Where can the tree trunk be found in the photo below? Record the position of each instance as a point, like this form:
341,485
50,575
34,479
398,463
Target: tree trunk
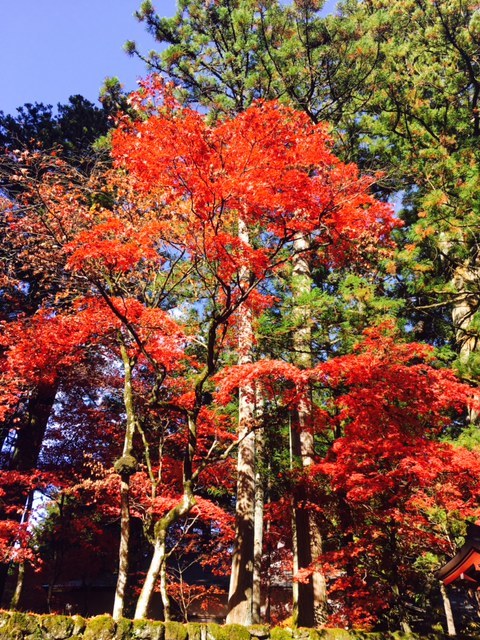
464,309
17,594
148,587
32,428
258,525
309,598
123,552
448,611
240,597
159,557
164,591
403,617
295,562
125,466
29,439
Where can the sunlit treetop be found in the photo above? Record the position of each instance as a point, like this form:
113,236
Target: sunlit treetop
270,166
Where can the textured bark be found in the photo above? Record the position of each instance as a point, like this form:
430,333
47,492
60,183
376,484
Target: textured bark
464,308
241,580
164,592
123,552
240,597
125,467
159,557
309,598
295,562
258,524
17,594
33,425
148,587
448,611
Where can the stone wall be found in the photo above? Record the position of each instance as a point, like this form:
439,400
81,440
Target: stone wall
26,626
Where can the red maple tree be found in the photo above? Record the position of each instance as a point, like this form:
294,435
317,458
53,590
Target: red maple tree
144,275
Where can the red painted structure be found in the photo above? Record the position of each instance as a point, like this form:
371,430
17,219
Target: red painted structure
466,564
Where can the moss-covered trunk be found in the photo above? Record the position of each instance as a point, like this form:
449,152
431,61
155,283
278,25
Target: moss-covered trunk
159,556
125,466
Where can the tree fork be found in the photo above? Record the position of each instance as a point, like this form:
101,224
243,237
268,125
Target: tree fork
160,552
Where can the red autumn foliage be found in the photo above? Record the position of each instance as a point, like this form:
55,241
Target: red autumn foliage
385,479
269,165
152,262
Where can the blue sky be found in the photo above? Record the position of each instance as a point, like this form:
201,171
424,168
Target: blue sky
52,49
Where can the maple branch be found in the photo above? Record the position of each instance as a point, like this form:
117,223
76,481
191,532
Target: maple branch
206,460
146,448
158,368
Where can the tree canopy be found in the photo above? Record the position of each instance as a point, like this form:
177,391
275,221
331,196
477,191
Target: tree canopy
239,336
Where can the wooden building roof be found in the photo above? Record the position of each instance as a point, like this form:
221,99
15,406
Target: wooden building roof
466,564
